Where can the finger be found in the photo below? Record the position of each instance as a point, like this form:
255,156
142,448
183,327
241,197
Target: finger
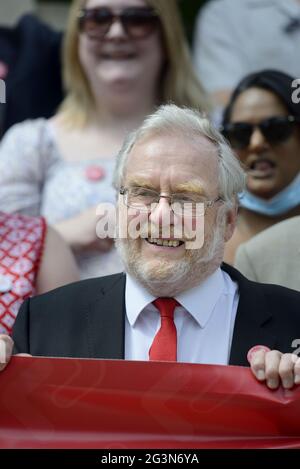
6,348
296,369
286,370
272,362
257,364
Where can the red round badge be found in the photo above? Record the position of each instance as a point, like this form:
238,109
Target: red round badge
94,173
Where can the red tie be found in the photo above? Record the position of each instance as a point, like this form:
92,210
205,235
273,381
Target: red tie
164,345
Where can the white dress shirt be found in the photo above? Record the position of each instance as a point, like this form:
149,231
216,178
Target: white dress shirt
204,322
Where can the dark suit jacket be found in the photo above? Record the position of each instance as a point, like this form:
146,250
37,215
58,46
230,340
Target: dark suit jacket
86,319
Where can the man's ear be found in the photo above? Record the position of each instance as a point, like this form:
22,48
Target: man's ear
231,218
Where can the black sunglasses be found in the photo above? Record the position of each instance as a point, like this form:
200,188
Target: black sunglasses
138,22
274,129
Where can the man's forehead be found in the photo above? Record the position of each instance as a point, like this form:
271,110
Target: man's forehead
179,164
171,145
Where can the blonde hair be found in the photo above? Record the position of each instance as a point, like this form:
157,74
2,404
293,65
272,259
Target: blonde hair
179,82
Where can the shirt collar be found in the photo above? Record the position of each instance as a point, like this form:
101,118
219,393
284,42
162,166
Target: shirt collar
199,301
136,298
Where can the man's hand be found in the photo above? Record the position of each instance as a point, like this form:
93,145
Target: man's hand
276,368
6,348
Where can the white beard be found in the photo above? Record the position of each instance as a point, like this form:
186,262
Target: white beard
167,278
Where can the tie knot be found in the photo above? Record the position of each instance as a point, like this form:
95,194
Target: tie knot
166,306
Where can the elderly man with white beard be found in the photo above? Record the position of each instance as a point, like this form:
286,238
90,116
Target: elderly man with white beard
176,300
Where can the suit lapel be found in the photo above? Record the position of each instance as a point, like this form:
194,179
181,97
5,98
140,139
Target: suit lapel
253,320
105,315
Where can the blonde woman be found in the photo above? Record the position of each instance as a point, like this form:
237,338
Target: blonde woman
122,58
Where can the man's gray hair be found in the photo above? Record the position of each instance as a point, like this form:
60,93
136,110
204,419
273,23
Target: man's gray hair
190,123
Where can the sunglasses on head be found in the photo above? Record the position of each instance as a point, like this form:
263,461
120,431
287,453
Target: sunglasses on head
274,129
138,22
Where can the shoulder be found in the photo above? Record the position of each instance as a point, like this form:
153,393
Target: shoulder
29,146
267,307
74,296
232,8
27,126
267,314
282,233
28,133
34,28
279,298
273,256
237,12
283,306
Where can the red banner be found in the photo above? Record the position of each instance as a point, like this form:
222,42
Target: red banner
77,403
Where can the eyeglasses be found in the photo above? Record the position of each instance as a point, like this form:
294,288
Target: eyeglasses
274,129
146,200
138,22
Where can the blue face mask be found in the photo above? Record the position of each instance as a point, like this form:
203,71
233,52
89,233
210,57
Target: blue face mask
280,204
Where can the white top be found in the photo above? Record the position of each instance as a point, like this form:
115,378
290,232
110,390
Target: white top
36,180
237,37
204,323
